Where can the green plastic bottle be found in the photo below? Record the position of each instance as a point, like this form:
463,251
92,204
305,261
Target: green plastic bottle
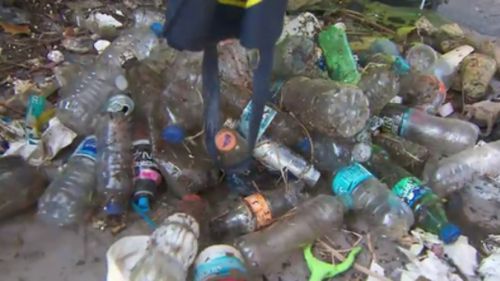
426,205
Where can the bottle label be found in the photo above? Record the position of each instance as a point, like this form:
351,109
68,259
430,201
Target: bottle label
391,125
36,106
145,167
348,178
410,189
172,170
267,118
260,208
87,148
218,267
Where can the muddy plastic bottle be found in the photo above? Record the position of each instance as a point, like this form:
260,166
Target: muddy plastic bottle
68,197
114,155
301,226
276,125
256,211
219,263
452,173
365,194
439,135
331,154
380,84
426,205
20,185
423,91
383,50
334,109
297,56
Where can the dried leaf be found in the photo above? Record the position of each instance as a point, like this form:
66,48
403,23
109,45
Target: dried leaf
15,29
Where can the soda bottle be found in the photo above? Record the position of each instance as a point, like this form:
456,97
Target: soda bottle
426,205
301,226
219,263
406,154
256,211
452,173
331,154
68,197
20,185
276,125
334,109
439,135
380,84
147,176
114,155
423,91
365,194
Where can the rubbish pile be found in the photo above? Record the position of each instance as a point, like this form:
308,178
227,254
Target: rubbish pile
377,159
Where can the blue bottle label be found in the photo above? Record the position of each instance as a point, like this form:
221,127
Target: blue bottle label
267,118
410,189
218,267
87,148
348,178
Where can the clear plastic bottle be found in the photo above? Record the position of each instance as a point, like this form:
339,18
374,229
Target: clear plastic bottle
423,91
421,57
426,205
114,155
452,173
386,51
440,135
218,263
363,193
380,84
256,211
67,198
20,185
332,154
331,108
312,219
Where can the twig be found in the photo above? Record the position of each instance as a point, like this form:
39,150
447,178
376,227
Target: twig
361,18
370,247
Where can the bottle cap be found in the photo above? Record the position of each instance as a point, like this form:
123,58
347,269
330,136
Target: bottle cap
143,203
449,233
304,145
113,208
226,140
157,28
173,134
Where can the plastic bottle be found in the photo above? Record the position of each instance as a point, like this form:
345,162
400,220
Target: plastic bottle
380,84
363,193
67,198
423,91
384,50
477,71
334,109
218,263
452,173
332,154
297,56
114,155
426,205
301,226
439,135
257,210
421,57
20,185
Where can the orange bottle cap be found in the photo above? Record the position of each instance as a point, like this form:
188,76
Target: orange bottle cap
226,140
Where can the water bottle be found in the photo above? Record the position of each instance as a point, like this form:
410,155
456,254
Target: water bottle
365,194
68,197
220,262
383,50
426,205
334,109
380,84
452,173
309,221
421,57
114,155
297,56
331,154
439,135
257,211
423,91
477,70
20,185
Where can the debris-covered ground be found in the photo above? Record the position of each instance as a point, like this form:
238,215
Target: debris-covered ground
407,93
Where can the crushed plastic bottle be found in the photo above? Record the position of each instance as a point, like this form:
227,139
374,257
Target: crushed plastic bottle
365,194
452,173
426,205
257,211
477,71
439,135
380,84
337,110
68,197
114,155
20,185
301,226
220,262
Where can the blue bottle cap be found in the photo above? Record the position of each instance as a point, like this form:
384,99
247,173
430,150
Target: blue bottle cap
143,203
173,134
401,65
449,233
157,28
304,145
113,208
